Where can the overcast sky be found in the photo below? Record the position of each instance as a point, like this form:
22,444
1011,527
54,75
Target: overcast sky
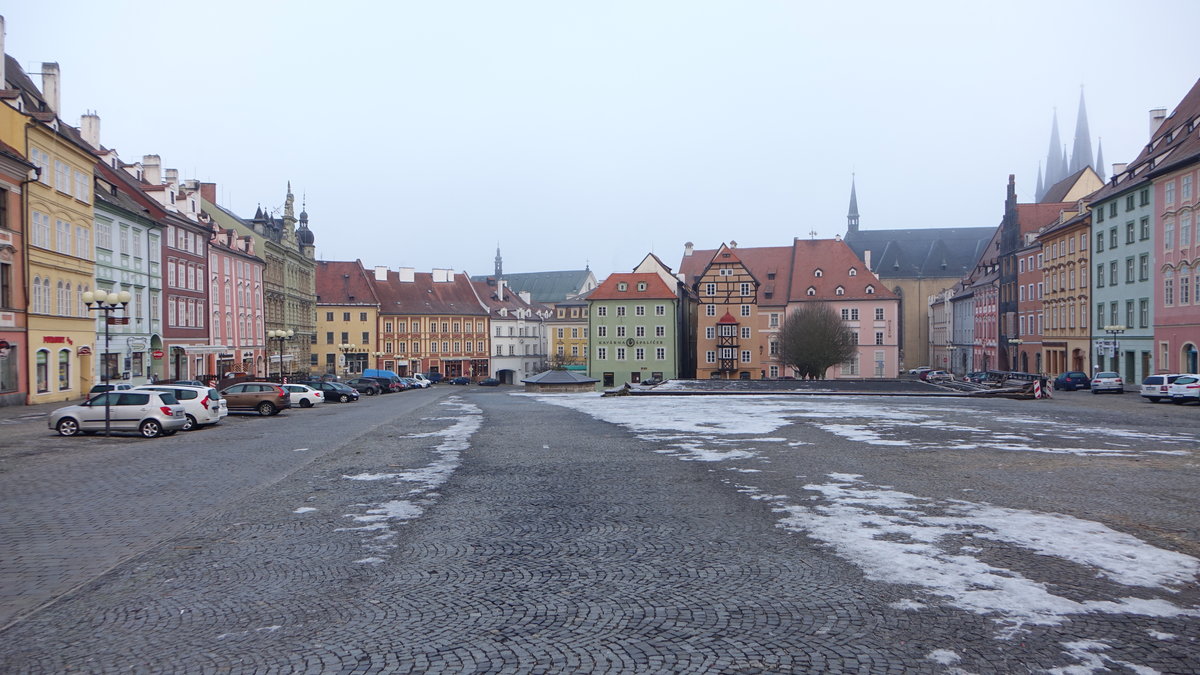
577,133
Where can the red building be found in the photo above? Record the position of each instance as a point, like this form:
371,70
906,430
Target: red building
435,320
236,300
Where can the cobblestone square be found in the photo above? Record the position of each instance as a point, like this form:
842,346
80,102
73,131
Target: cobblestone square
482,531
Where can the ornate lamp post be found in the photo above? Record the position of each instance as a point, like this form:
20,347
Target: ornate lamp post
281,336
379,359
1014,350
106,304
346,348
1114,342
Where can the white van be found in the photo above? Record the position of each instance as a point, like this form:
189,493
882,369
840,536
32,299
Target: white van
421,380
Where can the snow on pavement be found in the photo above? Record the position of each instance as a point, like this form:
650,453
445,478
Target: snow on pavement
938,546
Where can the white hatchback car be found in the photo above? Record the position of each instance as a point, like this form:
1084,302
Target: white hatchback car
1108,380
304,395
1155,387
1185,389
202,405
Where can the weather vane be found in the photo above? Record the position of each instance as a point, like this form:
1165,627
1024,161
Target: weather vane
813,234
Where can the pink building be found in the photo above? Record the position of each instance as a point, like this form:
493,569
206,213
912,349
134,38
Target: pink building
987,313
1176,307
236,299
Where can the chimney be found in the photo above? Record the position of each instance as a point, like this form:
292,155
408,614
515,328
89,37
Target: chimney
732,243
500,283
172,176
526,296
380,273
209,192
1119,167
867,259
152,169
3,81
687,249
1157,115
89,128
408,274
50,85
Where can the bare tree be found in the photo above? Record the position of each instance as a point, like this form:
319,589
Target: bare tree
814,339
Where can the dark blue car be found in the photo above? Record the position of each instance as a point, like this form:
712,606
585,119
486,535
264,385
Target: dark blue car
1072,381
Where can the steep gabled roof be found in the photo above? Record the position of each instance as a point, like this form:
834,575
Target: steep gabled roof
1080,184
770,265
921,252
656,288
343,283
489,296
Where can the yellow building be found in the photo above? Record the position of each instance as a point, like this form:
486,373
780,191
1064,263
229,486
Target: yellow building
347,314
60,266
568,331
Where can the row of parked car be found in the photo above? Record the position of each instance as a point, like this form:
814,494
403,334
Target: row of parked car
1174,387
162,409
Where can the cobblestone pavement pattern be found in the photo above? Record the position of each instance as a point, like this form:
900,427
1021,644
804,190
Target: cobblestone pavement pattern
497,533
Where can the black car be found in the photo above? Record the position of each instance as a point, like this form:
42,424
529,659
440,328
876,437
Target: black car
335,392
364,385
435,377
459,380
489,382
1071,381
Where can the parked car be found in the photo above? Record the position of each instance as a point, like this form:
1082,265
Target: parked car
201,405
1107,380
1070,381
936,376
459,380
421,380
1185,389
266,398
304,395
101,388
335,392
414,383
434,378
150,413
390,385
1157,387
918,370
489,382
364,385
188,383
978,376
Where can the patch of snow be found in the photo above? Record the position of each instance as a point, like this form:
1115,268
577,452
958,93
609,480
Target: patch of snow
943,656
370,561
908,605
1161,636
300,450
370,476
304,509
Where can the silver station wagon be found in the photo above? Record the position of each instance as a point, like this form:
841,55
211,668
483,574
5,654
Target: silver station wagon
149,413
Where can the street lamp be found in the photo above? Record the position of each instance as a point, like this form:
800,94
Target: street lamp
379,359
279,335
1014,351
346,348
107,304
1115,330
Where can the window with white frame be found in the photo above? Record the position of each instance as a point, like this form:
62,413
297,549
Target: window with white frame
660,331
710,332
745,356
745,310
660,353
710,310
620,353
62,240
746,332
710,356
639,354
639,331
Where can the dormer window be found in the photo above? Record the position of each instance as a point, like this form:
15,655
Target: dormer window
812,291
622,286
818,273
641,285
870,290
853,272
839,291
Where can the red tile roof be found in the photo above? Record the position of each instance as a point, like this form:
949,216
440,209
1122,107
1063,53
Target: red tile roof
656,288
424,296
344,283
770,265
835,260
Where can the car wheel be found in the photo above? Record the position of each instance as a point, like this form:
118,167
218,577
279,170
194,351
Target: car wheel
344,398
191,424
305,403
150,429
370,391
67,426
266,408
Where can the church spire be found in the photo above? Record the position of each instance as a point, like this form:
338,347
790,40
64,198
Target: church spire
852,214
1053,160
1100,159
499,265
1041,187
1081,152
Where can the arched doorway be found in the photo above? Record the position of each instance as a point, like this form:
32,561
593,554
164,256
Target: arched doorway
506,376
1188,358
